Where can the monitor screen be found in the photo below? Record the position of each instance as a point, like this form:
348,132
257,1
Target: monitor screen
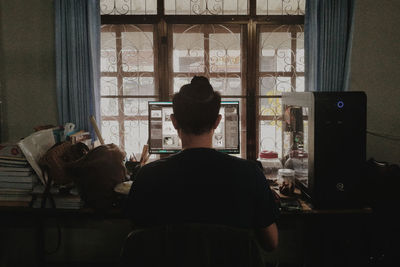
164,139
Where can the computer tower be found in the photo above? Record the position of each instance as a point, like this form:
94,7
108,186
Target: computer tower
324,141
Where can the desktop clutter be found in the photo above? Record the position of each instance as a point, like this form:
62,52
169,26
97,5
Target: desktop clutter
60,167
281,178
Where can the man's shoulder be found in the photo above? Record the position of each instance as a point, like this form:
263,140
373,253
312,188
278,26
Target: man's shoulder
239,162
160,164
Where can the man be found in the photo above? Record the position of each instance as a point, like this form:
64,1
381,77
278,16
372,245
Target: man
200,184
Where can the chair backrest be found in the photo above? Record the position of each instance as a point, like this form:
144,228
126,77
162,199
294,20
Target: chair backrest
191,245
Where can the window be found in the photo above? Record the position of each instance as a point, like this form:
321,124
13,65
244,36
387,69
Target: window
280,69
127,83
248,57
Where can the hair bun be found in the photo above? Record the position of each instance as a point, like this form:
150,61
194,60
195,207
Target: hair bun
201,89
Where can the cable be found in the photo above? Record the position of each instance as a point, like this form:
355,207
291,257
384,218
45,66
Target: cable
386,136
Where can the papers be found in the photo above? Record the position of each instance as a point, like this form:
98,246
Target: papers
35,146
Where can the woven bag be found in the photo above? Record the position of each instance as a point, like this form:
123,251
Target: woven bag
97,173
54,161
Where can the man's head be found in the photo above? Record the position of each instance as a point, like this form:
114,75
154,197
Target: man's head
196,107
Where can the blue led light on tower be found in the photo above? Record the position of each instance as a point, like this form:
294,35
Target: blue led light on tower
324,143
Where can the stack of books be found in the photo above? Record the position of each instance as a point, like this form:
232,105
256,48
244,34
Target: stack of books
16,177
63,199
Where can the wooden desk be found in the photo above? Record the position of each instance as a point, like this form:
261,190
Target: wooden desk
307,237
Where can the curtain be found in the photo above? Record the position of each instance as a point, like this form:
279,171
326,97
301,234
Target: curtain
77,26
328,36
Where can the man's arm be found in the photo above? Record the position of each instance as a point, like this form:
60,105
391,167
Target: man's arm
268,237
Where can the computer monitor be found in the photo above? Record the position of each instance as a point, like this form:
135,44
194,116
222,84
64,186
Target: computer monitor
164,139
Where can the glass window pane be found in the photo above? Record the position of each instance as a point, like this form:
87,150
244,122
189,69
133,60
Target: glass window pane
300,52
281,7
109,107
276,54
137,50
206,7
224,52
270,136
136,135
110,132
108,86
128,7
108,58
136,106
188,53
271,85
270,130
227,85
271,107
138,86
300,84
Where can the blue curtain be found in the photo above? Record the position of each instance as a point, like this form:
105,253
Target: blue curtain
328,33
77,26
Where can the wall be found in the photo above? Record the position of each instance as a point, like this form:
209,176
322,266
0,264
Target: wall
375,70
27,66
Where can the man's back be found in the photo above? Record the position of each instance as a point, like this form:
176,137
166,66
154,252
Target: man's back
201,185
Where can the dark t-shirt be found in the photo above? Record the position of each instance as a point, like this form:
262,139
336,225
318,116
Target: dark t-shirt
201,185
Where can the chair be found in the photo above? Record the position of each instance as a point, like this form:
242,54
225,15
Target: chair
191,245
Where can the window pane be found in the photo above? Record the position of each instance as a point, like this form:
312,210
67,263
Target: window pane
137,50
270,107
276,54
136,135
110,132
108,59
225,52
138,86
108,86
300,84
206,7
109,107
132,78
300,52
136,106
188,53
281,7
275,85
128,7
270,136
270,130
227,85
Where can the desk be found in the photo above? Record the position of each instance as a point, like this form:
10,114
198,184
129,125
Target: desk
303,236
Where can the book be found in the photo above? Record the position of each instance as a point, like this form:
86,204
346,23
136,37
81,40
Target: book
11,151
15,169
2,173
14,191
11,185
10,162
18,179
16,198
15,203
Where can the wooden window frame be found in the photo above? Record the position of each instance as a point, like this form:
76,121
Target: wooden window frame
163,53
